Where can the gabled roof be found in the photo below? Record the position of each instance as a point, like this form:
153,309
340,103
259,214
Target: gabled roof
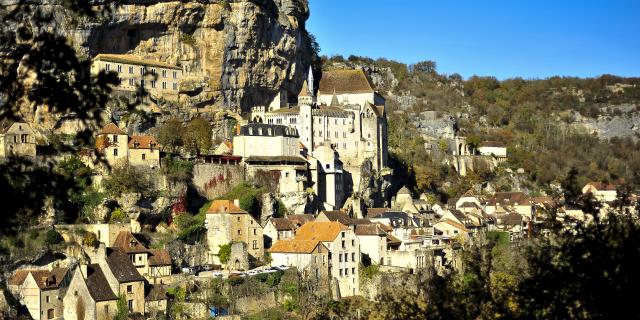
369,230
454,224
404,190
300,219
111,128
294,246
512,219
131,59
338,216
601,186
155,293
374,212
282,224
159,257
5,124
128,243
98,285
18,277
122,267
345,81
46,279
224,206
320,231
142,142
509,198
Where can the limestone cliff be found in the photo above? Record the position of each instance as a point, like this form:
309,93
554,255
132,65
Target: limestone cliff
235,53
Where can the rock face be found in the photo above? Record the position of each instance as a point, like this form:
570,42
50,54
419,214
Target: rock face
235,53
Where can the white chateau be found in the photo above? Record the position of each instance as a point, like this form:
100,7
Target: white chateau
346,115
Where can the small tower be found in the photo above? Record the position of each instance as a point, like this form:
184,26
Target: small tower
307,95
334,99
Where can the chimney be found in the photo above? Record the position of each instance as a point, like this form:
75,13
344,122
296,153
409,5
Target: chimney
237,202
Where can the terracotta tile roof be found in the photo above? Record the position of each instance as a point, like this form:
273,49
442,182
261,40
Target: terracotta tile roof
512,219
18,277
393,240
320,231
111,128
601,186
46,279
142,142
294,246
128,243
159,257
131,59
369,230
155,293
224,206
509,198
338,216
282,224
300,219
385,227
374,212
122,267
360,221
98,285
345,81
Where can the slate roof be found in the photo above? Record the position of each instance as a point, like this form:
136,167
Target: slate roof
345,81
128,243
224,206
512,219
98,285
121,267
320,231
111,128
282,224
18,277
155,293
142,142
47,280
397,218
131,59
159,257
268,130
294,246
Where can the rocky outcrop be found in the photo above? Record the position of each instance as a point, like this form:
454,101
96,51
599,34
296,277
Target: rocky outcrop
235,53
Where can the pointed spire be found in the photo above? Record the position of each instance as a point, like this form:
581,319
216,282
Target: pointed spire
310,82
334,99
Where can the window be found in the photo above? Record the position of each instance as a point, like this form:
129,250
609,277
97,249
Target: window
144,156
153,71
255,244
238,219
130,289
238,231
131,70
50,314
175,86
339,257
336,134
153,84
328,166
175,75
344,145
115,152
344,134
131,82
340,272
353,243
346,271
343,244
255,233
47,299
115,138
343,234
106,309
320,133
15,139
164,85
164,73
353,270
119,69
142,70
130,305
24,138
353,256
108,67
139,258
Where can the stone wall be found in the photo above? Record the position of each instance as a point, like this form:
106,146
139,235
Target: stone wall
255,303
215,180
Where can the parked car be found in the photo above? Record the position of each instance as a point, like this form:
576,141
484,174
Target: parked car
188,270
218,311
217,274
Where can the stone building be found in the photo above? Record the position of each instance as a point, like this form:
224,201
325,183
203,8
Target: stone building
273,150
153,264
327,175
159,79
227,223
39,290
117,146
347,114
344,248
310,257
124,279
17,138
277,229
89,295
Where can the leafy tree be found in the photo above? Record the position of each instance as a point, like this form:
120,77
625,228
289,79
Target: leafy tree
126,178
197,136
123,309
424,66
53,237
176,170
118,215
170,134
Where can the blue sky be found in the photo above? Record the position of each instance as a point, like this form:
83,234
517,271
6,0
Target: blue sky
531,39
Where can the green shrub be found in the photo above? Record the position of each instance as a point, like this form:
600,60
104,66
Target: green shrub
290,305
191,227
53,237
126,178
225,253
177,170
274,278
90,240
118,216
369,272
